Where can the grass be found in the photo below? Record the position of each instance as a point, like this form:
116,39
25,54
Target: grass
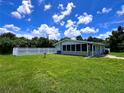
60,74
118,54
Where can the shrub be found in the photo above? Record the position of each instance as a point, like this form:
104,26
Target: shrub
6,45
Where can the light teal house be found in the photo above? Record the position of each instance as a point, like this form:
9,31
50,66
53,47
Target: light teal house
82,48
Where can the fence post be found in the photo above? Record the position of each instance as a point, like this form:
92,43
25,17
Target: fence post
15,51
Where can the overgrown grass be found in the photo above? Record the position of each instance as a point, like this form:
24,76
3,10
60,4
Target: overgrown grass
118,54
60,74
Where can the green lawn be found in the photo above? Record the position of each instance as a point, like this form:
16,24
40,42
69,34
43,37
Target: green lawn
118,54
60,74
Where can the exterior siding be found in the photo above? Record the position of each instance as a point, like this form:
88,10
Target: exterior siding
98,49
79,53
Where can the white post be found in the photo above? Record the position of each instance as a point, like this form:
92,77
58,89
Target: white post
92,50
100,49
15,51
87,50
95,49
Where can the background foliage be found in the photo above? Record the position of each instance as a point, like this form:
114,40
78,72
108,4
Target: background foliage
9,40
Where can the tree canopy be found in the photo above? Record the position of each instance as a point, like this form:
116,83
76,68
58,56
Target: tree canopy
9,40
116,40
79,38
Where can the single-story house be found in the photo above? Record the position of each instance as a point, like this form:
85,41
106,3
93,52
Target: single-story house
78,47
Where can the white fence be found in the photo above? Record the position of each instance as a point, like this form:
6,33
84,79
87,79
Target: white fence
33,51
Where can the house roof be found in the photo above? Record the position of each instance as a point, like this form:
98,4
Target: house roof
65,40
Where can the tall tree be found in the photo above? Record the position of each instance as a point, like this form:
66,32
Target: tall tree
6,45
90,38
79,37
116,40
9,40
94,39
65,38
8,35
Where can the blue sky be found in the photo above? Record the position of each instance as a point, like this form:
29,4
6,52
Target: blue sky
59,18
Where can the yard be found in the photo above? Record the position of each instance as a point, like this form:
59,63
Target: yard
60,74
118,54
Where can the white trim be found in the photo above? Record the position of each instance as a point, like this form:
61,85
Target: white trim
85,42
92,50
87,49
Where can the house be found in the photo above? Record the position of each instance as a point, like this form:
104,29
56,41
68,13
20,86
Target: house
82,48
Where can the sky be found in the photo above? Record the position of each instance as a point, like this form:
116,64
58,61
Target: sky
61,18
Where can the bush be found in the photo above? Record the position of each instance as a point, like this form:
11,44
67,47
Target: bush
6,45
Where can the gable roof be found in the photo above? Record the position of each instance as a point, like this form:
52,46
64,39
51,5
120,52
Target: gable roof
65,40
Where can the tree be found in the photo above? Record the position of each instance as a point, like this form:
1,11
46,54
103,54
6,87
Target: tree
65,38
6,45
8,35
116,40
21,42
34,42
94,39
90,38
79,37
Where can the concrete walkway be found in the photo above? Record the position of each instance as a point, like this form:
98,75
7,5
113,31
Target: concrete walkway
114,57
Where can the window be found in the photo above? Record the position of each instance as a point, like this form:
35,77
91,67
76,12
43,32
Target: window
94,48
73,47
84,47
78,47
90,46
64,47
68,47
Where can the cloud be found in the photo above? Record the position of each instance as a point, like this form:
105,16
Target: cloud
9,28
72,32
62,23
25,8
22,10
44,30
70,23
121,12
104,11
28,36
29,19
89,30
47,7
3,30
61,7
84,19
105,35
58,17
16,15
107,24
12,28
